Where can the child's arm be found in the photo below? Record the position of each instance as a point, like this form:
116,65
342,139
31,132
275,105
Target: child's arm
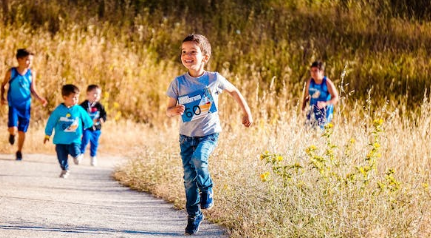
306,95
34,91
334,95
52,120
247,119
3,85
85,118
174,109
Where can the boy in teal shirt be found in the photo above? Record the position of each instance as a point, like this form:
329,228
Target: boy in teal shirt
67,120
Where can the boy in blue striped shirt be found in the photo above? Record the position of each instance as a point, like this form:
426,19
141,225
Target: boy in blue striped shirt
67,121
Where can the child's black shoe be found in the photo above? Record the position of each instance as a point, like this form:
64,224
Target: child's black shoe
12,139
193,224
18,155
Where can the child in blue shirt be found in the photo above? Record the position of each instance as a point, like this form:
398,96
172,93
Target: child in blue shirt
97,112
194,97
22,84
322,94
67,120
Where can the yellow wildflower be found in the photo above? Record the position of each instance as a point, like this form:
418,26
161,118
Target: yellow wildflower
378,122
264,177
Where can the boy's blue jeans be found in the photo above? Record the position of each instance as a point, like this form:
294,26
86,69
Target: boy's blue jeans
63,151
195,152
93,138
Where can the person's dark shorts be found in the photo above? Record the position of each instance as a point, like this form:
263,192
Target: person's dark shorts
19,118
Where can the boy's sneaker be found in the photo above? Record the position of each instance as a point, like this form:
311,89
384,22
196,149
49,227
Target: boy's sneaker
64,174
11,139
193,224
207,201
77,159
94,161
18,155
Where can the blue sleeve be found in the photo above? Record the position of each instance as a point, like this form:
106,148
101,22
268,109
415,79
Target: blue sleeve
86,119
52,120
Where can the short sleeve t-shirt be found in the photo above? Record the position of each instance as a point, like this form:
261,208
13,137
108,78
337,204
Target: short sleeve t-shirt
200,97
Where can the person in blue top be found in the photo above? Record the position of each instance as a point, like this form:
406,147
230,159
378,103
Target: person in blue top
322,95
21,83
68,121
194,97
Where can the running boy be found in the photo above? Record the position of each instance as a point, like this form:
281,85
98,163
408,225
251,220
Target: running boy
67,120
22,84
97,112
194,96
322,94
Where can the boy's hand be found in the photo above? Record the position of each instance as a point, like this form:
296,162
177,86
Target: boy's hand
321,104
46,139
178,110
44,102
247,120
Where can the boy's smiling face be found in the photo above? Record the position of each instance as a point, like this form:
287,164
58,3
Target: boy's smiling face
193,58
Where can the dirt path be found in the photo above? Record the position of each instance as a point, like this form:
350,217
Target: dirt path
35,202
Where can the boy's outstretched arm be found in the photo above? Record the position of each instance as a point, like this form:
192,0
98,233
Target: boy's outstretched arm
34,91
50,124
3,85
247,119
174,109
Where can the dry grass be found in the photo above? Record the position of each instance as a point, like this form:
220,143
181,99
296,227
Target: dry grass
309,203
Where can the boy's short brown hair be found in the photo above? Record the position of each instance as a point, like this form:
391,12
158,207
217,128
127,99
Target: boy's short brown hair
68,89
319,65
91,87
21,53
202,42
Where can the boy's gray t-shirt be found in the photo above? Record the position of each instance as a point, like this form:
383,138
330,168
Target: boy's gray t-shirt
184,85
